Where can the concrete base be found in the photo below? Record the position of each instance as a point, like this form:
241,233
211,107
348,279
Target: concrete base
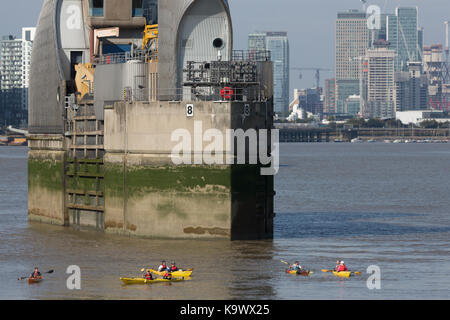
46,180
145,194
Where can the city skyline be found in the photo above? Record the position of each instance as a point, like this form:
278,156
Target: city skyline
311,44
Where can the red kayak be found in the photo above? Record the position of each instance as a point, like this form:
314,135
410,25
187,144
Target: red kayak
35,280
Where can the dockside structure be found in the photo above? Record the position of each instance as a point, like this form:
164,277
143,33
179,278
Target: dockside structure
104,102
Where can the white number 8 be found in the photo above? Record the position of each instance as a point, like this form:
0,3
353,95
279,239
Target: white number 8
190,110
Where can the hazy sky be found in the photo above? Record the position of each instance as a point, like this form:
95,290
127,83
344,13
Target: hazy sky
309,23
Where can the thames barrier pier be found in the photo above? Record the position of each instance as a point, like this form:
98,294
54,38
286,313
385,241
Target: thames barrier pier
111,81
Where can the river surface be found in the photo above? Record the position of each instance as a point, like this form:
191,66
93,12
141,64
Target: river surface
370,204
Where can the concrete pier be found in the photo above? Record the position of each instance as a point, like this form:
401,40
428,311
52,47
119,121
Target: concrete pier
107,97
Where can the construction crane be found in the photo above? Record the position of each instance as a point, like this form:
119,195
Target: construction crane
446,69
446,40
317,75
364,4
150,42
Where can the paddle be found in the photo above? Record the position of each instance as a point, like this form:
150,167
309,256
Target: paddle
355,272
50,271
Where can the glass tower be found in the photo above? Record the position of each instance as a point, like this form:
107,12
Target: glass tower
278,44
403,35
352,39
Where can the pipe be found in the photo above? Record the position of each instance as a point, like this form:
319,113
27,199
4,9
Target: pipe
24,132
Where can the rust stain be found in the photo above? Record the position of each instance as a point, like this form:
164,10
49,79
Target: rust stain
131,227
113,225
110,224
211,231
42,213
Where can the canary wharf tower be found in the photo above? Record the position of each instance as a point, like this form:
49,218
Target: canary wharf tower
111,82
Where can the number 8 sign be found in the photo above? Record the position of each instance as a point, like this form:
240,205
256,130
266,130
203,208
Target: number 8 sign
190,110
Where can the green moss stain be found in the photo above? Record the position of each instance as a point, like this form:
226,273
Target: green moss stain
114,181
46,174
181,179
176,179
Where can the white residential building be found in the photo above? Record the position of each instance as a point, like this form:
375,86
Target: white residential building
15,75
380,82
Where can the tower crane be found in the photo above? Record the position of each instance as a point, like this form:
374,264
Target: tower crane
446,39
446,67
364,4
317,75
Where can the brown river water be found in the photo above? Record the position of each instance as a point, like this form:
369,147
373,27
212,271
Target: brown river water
371,204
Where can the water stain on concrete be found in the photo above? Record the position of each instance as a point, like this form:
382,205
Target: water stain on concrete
211,231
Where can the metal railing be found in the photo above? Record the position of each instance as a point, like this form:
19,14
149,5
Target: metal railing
123,57
215,94
216,72
251,55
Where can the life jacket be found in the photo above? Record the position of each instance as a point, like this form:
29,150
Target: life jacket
148,277
174,268
163,267
342,268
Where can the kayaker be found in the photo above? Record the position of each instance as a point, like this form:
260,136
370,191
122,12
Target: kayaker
167,275
163,267
36,274
148,275
296,267
173,267
342,267
338,263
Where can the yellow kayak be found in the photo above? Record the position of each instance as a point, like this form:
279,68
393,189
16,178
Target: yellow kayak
179,273
145,281
343,274
303,273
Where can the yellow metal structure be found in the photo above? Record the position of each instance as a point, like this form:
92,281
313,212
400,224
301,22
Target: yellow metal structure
84,79
151,39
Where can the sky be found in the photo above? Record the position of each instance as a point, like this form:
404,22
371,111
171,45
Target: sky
309,23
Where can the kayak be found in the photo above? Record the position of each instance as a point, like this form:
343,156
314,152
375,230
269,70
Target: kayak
145,281
303,273
34,280
179,273
343,274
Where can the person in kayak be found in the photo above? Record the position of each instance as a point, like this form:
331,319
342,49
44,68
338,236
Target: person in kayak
148,275
173,267
36,274
338,263
342,267
167,275
163,267
296,267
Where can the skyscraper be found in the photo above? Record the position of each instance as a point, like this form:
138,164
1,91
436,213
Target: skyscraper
15,71
434,64
330,96
278,44
402,32
380,81
352,40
